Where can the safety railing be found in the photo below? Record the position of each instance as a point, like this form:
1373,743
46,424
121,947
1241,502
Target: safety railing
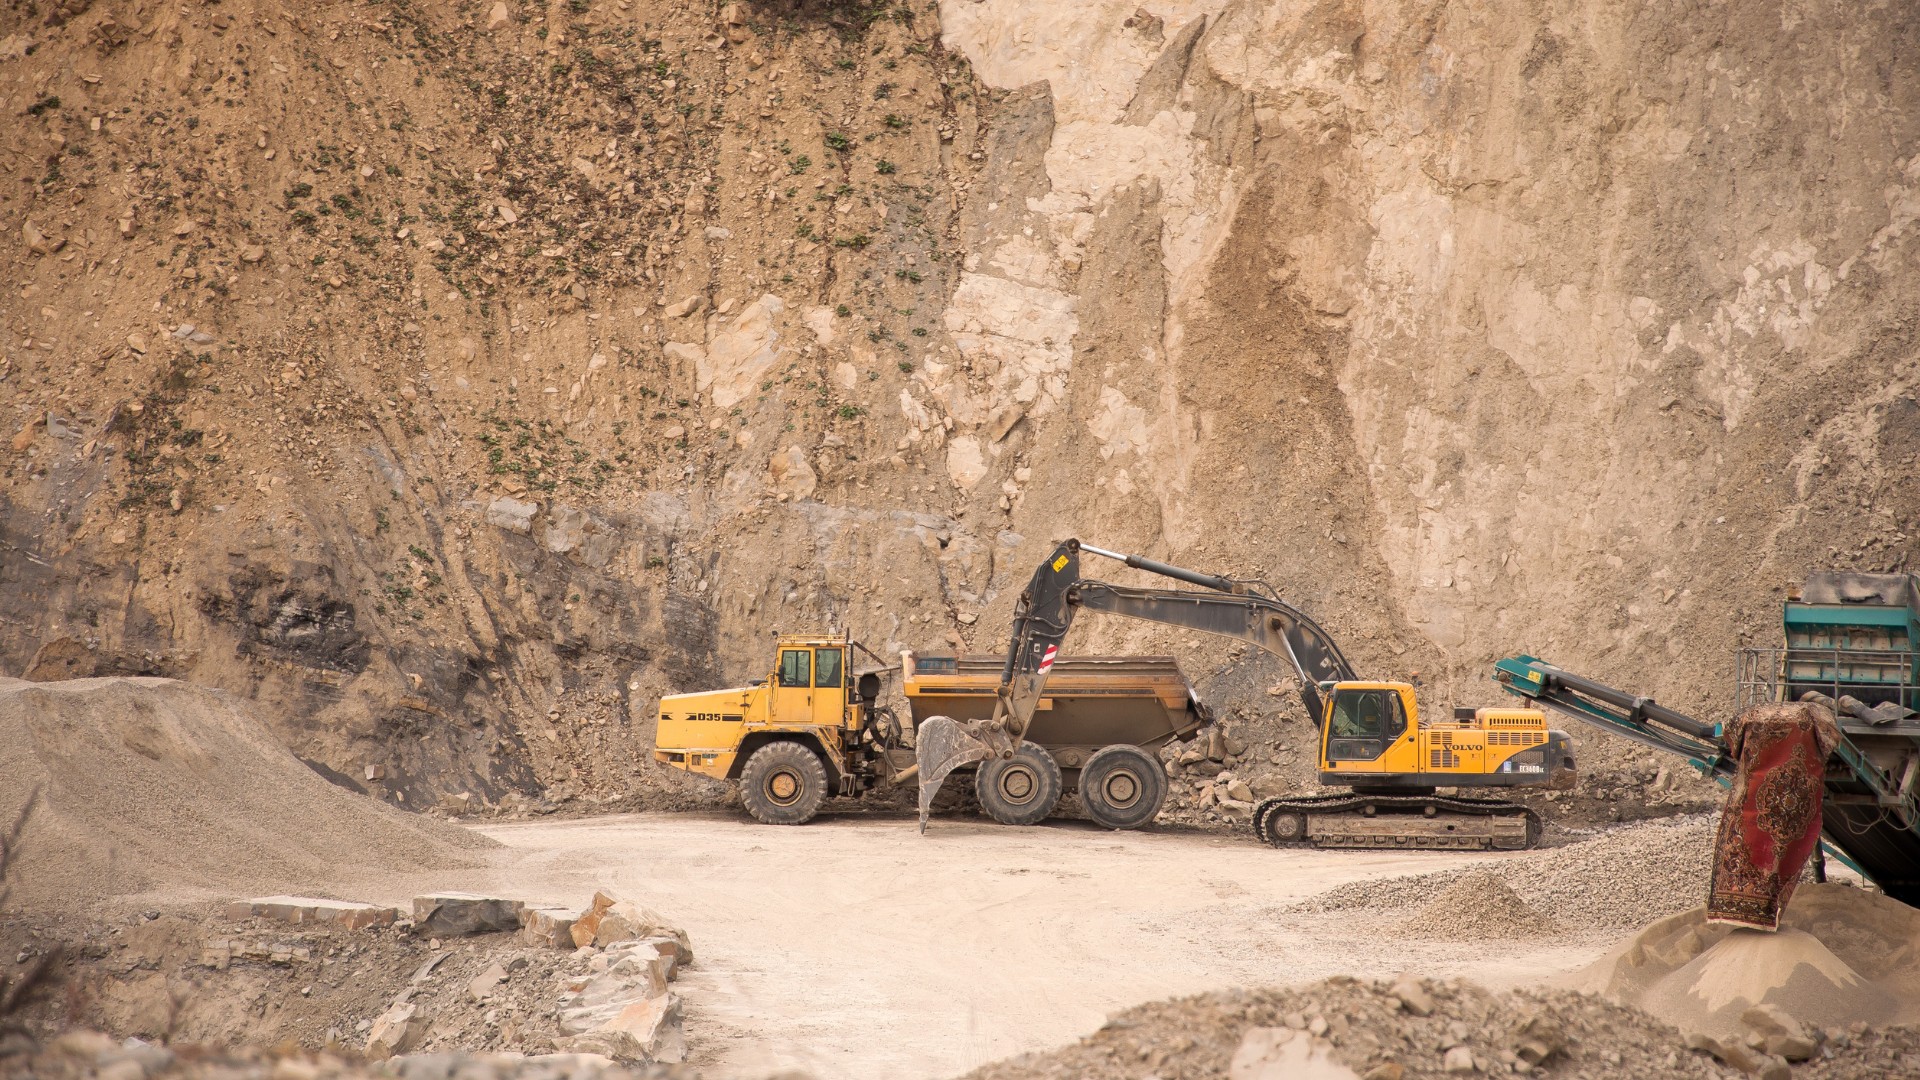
1873,676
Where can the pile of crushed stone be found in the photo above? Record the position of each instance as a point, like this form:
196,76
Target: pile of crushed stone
1842,954
1478,907
1614,883
1343,1029
149,784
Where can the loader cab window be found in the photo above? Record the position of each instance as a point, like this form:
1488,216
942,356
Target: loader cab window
1365,723
826,668
796,667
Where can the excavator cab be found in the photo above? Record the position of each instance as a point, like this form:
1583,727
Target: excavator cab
1362,722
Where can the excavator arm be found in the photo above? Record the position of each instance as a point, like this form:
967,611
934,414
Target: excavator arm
1045,612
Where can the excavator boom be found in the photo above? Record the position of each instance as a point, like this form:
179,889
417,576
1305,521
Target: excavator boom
1057,593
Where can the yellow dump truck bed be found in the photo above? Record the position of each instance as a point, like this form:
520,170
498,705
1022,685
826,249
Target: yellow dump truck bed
1091,701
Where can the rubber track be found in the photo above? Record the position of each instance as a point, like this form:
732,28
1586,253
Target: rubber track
1411,804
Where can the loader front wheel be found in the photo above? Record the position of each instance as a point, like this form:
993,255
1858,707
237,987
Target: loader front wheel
1122,787
784,783
1022,789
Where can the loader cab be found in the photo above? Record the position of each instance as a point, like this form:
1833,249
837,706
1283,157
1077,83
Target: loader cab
1363,721
809,683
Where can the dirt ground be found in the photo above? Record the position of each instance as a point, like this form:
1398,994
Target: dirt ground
855,948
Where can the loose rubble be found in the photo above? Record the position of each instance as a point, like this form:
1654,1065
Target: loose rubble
1415,1029
468,974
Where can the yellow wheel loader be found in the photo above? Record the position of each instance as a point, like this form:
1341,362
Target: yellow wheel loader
808,732
1373,740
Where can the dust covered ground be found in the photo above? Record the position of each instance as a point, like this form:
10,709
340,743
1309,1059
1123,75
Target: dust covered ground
968,944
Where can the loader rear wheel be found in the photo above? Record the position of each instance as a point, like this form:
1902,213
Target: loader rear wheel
784,783
1122,787
1022,789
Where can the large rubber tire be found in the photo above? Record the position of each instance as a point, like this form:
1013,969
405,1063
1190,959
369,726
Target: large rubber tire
784,783
1022,789
1122,787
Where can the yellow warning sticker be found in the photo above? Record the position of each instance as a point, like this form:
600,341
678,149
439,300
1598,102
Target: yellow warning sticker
1059,563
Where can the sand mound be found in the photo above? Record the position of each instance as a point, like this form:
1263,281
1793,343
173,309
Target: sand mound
151,785
1842,954
1477,907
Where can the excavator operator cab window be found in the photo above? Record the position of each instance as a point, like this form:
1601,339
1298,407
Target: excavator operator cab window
796,667
826,668
1365,723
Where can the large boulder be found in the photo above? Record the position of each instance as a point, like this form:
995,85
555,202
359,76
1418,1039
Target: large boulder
459,914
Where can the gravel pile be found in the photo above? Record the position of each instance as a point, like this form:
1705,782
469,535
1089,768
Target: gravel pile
150,784
1415,1029
1620,880
1479,907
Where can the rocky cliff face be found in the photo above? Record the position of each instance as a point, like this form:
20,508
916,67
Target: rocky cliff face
457,378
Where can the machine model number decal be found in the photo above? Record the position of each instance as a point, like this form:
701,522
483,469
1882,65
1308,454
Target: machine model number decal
1529,768
708,717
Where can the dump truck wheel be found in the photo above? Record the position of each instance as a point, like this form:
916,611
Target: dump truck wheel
1122,787
1022,789
783,784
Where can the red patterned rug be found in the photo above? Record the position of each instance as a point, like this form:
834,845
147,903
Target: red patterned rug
1771,822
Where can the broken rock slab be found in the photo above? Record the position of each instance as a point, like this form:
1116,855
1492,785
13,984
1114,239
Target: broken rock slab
548,927
460,914
647,1030
609,921
512,515
307,910
483,985
626,1011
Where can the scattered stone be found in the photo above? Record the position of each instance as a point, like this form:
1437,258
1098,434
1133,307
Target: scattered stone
460,914
481,986
397,1031
511,514
686,307
252,253
789,473
498,17
1538,1038
137,342
1277,1053
1239,790
425,971
1413,996
1386,1070
566,529
1459,1060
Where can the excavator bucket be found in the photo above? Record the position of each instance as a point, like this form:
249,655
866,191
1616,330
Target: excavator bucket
941,745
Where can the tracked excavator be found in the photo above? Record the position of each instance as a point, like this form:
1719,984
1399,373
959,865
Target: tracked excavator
1372,739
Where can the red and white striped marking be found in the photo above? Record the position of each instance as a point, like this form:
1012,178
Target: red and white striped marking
1046,659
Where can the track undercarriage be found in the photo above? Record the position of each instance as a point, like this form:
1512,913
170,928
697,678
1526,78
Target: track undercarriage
1405,822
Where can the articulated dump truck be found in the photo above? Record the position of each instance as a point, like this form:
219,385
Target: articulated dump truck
814,728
